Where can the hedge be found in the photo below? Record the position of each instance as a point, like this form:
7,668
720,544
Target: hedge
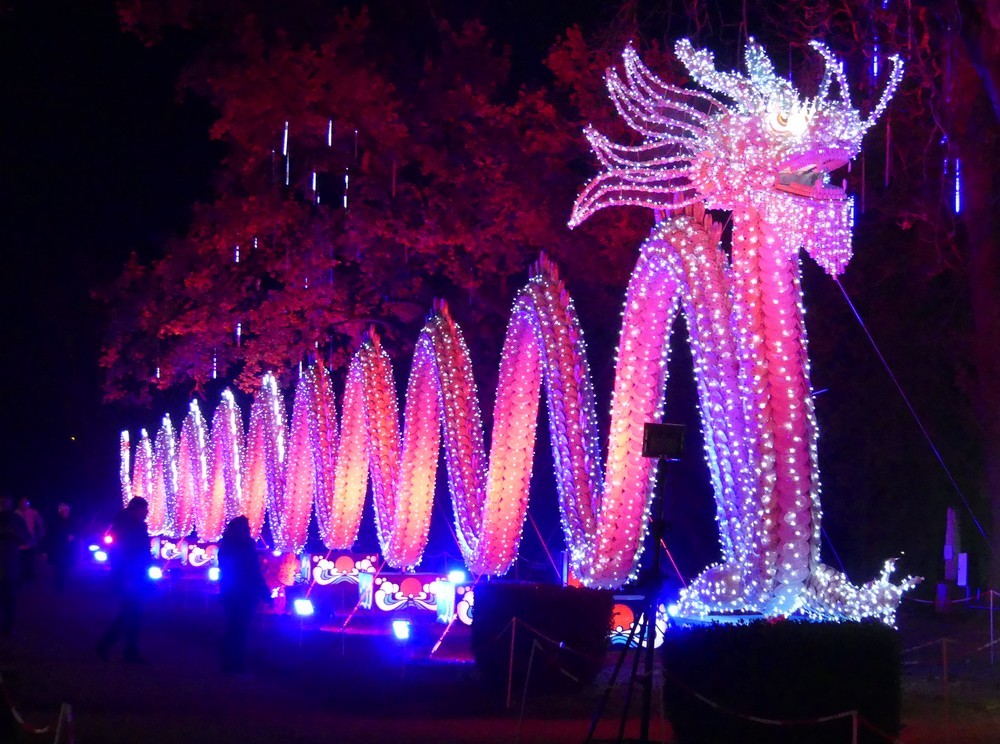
717,676
570,625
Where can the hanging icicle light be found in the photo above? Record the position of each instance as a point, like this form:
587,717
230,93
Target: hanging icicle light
958,186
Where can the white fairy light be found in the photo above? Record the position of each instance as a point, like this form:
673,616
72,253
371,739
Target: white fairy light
765,156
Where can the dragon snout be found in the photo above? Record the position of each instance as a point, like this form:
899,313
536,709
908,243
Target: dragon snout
807,174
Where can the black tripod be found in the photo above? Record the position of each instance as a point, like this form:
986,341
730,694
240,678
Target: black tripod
665,443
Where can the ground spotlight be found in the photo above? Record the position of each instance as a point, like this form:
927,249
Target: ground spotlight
401,629
108,539
155,573
457,576
303,607
93,548
213,573
100,556
672,610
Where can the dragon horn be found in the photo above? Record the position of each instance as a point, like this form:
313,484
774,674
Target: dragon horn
833,69
701,65
890,89
759,65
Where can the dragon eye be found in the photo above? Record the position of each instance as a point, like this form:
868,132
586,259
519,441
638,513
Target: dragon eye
785,123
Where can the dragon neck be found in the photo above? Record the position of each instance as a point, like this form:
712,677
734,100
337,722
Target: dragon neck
779,411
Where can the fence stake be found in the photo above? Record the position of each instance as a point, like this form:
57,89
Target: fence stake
992,651
510,672
947,708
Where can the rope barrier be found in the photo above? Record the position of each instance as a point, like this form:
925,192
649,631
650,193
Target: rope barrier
853,715
65,715
926,645
560,645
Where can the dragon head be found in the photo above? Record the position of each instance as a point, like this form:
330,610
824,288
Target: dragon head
769,148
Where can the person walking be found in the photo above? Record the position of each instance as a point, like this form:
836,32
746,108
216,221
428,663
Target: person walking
241,587
36,533
130,558
14,539
62,545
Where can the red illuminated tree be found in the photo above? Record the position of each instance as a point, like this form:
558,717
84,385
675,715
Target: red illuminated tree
356,189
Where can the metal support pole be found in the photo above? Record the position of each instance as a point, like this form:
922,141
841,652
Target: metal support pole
653,585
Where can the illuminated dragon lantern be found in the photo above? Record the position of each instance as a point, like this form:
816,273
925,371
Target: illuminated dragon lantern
766,156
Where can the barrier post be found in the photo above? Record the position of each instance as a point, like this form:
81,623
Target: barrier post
524,693
854,727
947,708
992,647
510,671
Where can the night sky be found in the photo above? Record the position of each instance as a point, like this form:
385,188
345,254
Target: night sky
99,159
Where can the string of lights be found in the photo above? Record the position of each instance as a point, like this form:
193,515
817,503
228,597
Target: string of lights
767,158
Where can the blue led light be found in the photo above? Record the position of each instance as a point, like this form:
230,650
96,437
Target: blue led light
213,573
303,607
100,556
958,186
155,573
401,629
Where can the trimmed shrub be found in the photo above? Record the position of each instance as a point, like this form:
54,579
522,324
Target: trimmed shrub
782,671
570,625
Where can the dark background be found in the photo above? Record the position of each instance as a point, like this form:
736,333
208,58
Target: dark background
99,159
102,157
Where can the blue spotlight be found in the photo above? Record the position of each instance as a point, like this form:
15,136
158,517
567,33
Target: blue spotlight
93,548
457,576
213,573
303,607
155,573
100,556
401,629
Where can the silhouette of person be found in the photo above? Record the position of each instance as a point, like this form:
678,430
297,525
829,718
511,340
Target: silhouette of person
241,587
62,545
14,538
129,558
36,533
